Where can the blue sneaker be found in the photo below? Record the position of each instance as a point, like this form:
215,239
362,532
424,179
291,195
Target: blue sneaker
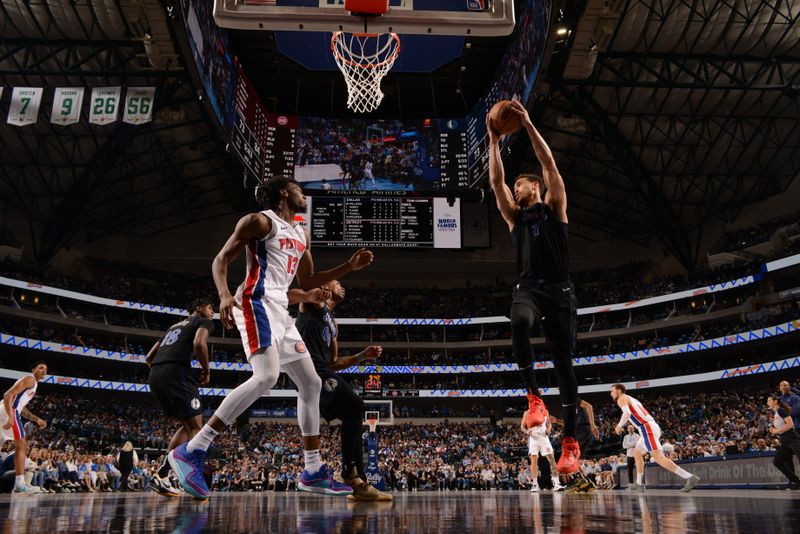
189,468
322,482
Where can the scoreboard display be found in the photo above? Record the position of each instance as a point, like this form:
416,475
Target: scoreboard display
384,222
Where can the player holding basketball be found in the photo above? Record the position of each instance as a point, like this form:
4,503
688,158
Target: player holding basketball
539,444
536,214
172,380
276,250
15,401
318,327
649,438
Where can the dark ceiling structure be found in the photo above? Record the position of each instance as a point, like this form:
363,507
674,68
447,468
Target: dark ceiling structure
665,115
86,181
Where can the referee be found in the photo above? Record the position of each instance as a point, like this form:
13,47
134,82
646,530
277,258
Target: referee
318,328
173,383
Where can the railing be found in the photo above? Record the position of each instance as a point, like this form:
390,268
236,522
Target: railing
636,355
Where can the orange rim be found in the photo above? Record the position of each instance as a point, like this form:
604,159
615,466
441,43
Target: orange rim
367,65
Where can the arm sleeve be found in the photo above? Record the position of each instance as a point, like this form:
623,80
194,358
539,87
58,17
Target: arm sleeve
626,414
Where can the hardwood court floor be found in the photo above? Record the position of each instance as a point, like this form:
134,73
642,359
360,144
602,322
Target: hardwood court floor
728,512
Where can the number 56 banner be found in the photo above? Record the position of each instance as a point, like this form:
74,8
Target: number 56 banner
139,105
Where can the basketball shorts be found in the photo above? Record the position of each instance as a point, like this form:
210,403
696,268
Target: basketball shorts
264,323
539,445
649,438
335,394
175,389
17,430
554,308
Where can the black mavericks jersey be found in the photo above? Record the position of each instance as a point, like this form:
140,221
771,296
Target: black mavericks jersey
177,346
541,242
318,330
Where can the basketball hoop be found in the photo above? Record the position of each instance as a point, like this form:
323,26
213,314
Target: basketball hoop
372,423
364,59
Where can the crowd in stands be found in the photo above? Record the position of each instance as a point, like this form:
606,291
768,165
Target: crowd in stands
752,235
77,451
768,316
142,284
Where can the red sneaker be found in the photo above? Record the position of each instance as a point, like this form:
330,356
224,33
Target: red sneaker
570,454
537,411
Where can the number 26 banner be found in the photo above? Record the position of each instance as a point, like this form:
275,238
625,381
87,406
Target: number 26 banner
104,105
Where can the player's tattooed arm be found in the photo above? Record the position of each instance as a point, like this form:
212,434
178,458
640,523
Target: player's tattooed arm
497,179
308,278
27,414
313,298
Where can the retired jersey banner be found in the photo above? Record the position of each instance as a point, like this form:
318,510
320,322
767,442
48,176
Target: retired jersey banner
139,105
24,108
104,105
67,104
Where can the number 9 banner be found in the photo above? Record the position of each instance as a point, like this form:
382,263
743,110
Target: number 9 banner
139,105
67,104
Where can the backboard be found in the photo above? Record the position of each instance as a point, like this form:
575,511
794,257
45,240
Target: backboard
380,408
487,18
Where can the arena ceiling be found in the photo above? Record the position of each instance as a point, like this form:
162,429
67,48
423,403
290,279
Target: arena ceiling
665,115
85,181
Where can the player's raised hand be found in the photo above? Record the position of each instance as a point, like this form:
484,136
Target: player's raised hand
373,352
494,137
362,258
226,305
519,109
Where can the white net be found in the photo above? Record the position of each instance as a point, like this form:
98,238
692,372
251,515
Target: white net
364,59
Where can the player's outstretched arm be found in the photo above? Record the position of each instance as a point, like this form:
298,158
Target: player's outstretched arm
556,196
338,363
313,298
309,279
249,227
497,179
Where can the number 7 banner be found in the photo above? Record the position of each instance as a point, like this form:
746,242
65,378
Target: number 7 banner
24,108
139,105
104,105
67,103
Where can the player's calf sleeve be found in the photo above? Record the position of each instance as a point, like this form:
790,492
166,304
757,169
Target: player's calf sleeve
308,384
266,368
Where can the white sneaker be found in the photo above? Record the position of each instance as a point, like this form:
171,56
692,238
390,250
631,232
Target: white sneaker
26,488
557,485
535,488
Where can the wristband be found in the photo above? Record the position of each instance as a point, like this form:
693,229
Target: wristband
361,358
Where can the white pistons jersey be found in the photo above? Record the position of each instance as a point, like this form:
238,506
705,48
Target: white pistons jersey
272,262
264,320
538,431
24,398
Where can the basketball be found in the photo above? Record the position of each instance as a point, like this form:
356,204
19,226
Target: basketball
502,118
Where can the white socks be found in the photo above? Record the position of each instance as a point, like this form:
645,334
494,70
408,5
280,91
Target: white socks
682,473
639,477
19,481
313,461
202,439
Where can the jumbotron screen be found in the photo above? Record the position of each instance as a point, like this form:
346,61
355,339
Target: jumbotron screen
365,221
